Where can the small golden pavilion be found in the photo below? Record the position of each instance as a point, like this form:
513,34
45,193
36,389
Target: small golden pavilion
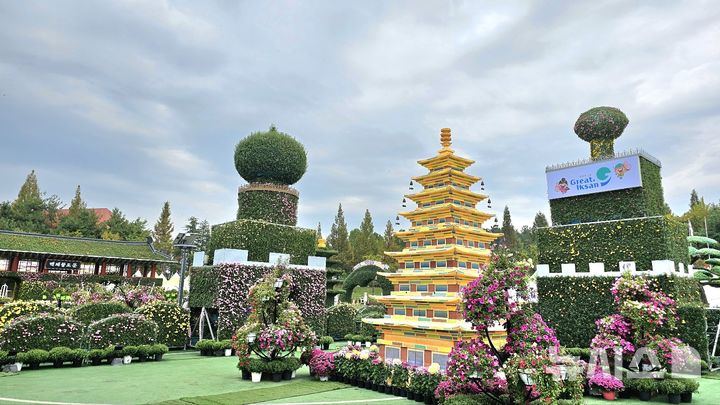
445,246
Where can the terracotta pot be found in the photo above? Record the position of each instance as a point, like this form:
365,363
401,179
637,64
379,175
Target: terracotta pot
609,395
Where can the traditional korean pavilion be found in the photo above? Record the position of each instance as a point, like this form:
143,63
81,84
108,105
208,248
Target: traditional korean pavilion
445,247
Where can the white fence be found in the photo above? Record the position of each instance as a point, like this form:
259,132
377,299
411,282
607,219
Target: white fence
659,267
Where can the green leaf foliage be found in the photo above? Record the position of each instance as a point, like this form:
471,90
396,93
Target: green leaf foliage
692,328
173,322
272,157
203,288
341,320
77,279
701,240
89,313
261,238
571,305
362,277
123,330
270,206
640,240
41,331
601,123
635,202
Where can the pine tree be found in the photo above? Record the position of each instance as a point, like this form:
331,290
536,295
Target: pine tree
508,230
364,242
163,230
201,230
694,199
338,237
80,221
30,212
391,242
318,233
540,221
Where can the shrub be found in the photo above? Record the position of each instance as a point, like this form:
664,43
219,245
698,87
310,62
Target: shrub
41,331
276,206
256,366
601,123
203,289
33,356
271,156
341,320
173,322
362,277
14,309
465,399
100,354
157,348
582,353
129,351
326,340
122,330
4,357
33,290
89,313
60,354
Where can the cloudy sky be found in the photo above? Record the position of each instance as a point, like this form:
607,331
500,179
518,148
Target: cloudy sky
143,101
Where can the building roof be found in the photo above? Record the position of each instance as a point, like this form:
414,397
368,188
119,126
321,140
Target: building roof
103,214
22,242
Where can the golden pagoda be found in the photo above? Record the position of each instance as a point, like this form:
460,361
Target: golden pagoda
445,247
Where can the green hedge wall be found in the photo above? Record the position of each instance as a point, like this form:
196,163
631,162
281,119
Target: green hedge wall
572,304
271,206
261,238
341,320
122,329
692,328
636,202
203,287
173,322
73,279
640,240
89,313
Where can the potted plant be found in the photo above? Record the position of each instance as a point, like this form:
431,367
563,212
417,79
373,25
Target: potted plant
358,339
128,352
322,365
157,351
349,338
645,387
256,367
672,388
205,346
399,379
608,384
226,346
276,369
96,356
9,363
418,381
59,355
691,385
142,352
325,342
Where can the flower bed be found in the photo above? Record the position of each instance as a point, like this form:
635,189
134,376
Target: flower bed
122,330
41,331
173,322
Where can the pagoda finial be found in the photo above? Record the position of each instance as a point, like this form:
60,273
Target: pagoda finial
445,137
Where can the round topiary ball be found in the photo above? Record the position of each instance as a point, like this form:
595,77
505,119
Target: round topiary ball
601,123
270,157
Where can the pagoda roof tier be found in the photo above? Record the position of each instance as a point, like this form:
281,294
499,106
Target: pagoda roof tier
447,210
446,230
446,159
448,191
441,252
439,274
443,175
450,301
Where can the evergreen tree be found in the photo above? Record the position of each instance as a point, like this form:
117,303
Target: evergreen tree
540,221
192,225
391,242
80,221
694,199
31,211
163,230
117,227
364,241
318,233
338,237
508,230
201,230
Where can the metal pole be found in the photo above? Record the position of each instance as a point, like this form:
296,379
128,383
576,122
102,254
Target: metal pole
183,264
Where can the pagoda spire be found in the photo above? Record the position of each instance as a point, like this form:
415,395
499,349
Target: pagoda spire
445,138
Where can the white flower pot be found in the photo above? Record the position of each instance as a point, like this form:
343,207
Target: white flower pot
228,352
256,377
350,343
526,378
293,375
323,378
358,344
127,359
12,368
367,344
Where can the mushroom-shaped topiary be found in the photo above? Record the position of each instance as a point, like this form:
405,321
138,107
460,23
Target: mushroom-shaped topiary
601,126
270,157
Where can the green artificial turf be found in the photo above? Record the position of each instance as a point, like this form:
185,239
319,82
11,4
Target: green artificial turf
299,388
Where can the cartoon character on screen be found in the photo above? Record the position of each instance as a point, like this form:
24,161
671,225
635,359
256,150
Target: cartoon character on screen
562,186
621,169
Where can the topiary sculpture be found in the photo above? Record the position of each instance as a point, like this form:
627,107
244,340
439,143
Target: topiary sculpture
270,157
601,126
